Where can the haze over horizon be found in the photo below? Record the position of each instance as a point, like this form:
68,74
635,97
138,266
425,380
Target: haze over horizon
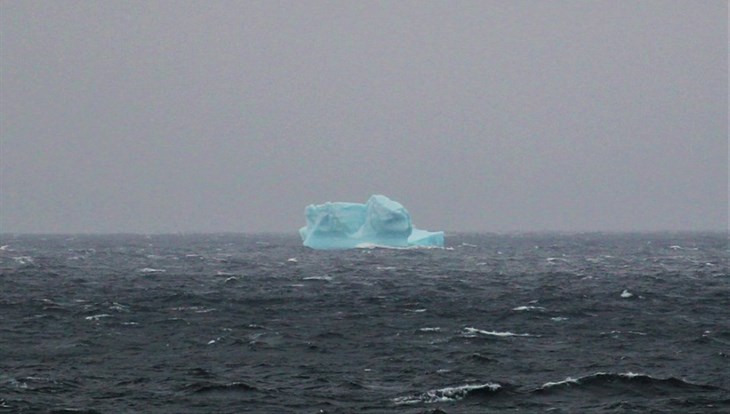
167,117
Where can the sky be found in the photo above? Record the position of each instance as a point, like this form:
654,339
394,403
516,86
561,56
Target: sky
488,116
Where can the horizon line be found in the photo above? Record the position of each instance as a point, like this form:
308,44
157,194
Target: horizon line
295,233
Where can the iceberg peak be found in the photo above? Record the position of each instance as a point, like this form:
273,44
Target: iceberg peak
380,222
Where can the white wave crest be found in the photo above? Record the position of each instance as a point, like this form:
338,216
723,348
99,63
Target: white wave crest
473,332
445,394
527,308
568,380
151,270
571,380
326,278
97,317
24,260
430,329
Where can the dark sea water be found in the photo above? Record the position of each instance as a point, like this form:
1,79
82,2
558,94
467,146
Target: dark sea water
587,323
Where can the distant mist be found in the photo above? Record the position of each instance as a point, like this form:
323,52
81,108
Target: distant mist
188,116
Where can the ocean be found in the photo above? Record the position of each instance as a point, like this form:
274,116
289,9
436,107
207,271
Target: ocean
494,323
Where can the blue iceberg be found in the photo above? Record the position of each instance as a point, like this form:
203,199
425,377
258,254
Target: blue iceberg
379,222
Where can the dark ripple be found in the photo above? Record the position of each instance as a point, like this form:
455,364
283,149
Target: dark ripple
206,387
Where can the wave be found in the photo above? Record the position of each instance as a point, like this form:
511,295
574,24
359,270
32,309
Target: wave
625,382
208,387
97,317
600,383
429,329
151,270
325,278
528,307
24,260
39,384
481,358
448,394
470,332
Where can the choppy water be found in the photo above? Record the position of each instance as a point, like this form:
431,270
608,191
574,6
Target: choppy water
494,323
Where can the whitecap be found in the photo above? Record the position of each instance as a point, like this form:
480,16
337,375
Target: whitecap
430,329
568,380
97,317
571,381
470,332
323,277
527,308
622,332
151,270
446,394
196,309
119,307
23,260
684,248
15,383
292,260
626,294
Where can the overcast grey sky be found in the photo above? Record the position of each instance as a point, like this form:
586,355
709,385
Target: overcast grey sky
170,116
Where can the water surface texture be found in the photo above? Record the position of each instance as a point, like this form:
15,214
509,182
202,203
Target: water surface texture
588,323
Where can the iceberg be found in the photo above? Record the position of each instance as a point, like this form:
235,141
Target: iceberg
380,222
